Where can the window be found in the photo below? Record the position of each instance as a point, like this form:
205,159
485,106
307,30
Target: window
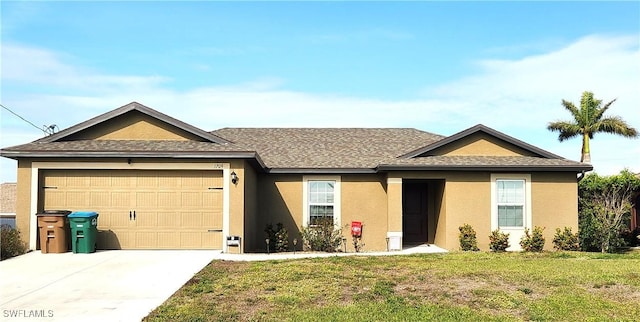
510,202
321,199
511,210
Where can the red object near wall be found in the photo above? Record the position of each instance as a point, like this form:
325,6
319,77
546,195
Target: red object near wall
356,228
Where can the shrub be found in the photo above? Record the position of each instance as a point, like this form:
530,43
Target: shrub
10,243
604,208
534,241
498,241
278,238
357,243
468,240
630,237
324,236
565,240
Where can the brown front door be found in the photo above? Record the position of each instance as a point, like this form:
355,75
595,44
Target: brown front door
414,212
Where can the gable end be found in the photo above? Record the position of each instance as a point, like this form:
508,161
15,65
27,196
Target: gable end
476,138
153,119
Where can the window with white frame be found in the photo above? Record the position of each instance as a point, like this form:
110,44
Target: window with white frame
511,202
321,199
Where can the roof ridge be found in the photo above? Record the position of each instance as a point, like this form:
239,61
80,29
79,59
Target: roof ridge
133,106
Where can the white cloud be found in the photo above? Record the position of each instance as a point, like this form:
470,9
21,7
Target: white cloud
35,66
521,96
518,97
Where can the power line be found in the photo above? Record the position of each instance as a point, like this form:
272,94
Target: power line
46,129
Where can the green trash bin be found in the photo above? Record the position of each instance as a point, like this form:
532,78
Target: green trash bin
84,231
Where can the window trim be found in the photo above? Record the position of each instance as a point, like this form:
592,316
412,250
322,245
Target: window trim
527,217
336,198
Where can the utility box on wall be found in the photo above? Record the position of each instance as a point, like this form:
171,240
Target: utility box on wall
394,241
233,241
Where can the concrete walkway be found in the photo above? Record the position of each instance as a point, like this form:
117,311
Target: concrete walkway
420,249
115,285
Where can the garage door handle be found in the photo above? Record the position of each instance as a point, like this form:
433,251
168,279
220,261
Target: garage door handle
129,215
134,215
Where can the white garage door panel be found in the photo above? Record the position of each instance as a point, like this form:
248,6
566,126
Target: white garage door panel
143,209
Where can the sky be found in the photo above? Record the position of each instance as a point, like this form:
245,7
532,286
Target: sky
440,67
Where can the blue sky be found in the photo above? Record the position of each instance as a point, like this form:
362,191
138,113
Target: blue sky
437,66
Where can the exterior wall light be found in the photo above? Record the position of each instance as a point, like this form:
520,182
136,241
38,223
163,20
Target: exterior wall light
234,178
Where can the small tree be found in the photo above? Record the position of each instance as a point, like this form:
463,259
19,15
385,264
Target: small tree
278,238
565,240
324,236
533,242
10,243
468,240
498,241
605,206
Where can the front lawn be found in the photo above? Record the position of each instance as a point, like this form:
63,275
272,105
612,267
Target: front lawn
454,287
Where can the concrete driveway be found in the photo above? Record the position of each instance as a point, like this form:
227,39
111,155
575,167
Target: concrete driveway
118,285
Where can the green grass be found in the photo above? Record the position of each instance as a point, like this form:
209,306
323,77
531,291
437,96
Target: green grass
444,287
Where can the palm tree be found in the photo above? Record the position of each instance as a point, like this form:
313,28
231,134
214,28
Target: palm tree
588,120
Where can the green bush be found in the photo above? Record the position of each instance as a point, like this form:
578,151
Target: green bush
10,243
498,241
324,236
278,238
634,237
468,240
604,210
534,241
565,240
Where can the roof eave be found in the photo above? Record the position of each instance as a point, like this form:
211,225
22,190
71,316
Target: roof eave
321,170
540,168
134,154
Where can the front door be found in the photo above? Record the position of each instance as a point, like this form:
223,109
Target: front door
414,212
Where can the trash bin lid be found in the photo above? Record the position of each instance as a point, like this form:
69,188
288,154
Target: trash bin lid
54,213
83,214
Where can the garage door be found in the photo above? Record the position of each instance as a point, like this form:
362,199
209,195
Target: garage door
143,209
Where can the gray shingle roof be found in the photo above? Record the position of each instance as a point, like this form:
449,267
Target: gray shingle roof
294,149
349,148
483,162
122,148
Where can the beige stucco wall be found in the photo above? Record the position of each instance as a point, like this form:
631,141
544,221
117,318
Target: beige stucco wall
364,199
468,201
481,144
250,206
134,126
237,201
466,198
279,201
554,203
23,202
394,204
259,199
